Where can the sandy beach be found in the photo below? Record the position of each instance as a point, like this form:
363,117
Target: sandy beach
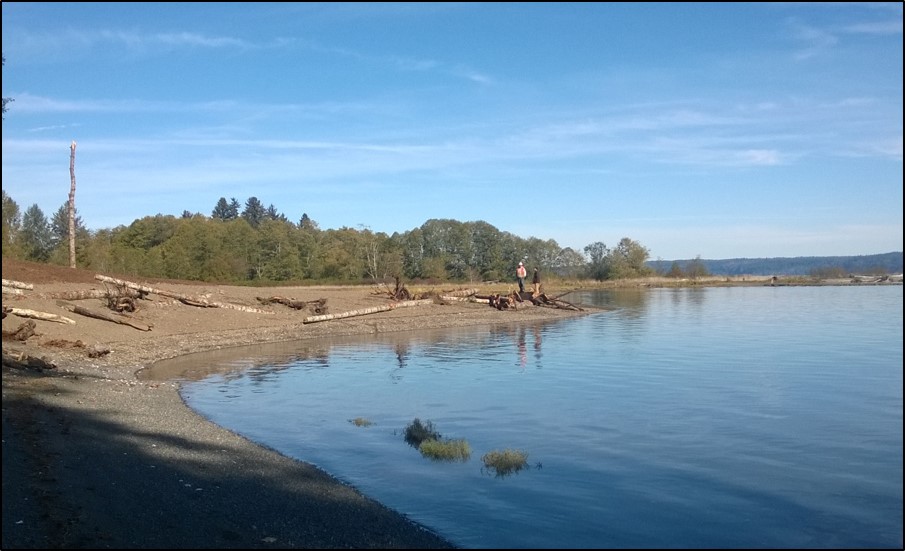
95,457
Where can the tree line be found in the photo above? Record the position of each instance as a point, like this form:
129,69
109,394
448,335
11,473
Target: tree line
247,243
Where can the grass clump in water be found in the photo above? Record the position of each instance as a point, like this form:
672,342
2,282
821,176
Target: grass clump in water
418,432
445,450
361,422
506,462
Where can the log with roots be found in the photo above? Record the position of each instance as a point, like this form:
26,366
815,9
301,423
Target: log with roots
22,333
185,299
318,306
101,316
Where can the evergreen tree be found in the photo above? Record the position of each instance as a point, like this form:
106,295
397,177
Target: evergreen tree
254,212
221,210
59,226
233,209
273,214
306,223
12,222
37,237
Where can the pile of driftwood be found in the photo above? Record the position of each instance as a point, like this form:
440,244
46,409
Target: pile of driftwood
318,306
514,298
120,298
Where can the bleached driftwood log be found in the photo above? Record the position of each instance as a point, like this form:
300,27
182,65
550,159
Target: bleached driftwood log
371,310
461,293
17,284
34,314
101,316
90,293
12,291
185,299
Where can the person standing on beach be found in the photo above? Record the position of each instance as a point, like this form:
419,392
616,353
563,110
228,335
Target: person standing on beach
520,274
536,281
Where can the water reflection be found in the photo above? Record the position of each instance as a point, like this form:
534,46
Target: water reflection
664,422
518,336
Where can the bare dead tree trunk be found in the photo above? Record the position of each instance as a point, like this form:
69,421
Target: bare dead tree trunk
72,205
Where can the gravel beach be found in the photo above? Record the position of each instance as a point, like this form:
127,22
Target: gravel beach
94,457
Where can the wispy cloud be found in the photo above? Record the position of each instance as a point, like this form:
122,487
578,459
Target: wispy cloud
877,27
132,41
51,128
815,40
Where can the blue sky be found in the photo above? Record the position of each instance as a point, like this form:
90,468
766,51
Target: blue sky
712,130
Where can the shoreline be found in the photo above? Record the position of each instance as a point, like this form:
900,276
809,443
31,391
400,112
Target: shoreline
95,457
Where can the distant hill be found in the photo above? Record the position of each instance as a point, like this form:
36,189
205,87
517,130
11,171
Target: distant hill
888,263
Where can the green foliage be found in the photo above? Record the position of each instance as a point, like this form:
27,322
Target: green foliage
11,225
224,210
148,232
445,450
254,212
505,462
696,269
418,432
262,246
627,260
36,235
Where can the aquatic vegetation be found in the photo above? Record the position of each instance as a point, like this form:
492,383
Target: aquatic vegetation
505,462
446,450
361,422
418,432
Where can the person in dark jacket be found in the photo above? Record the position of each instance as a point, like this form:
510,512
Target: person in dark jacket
536,281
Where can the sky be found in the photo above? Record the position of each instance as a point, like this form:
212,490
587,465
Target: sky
717,130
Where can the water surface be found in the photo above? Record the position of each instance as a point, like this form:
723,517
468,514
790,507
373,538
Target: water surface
717,417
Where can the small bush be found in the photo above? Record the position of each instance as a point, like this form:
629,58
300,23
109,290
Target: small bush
506,462
361,422
416,433
445,450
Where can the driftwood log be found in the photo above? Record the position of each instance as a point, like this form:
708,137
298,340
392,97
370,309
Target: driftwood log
12,291
543,300
371,310
22,333
185,299
318,306
45,316
102,316
92,293
24,361
17,284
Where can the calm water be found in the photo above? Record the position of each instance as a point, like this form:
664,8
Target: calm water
717,417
